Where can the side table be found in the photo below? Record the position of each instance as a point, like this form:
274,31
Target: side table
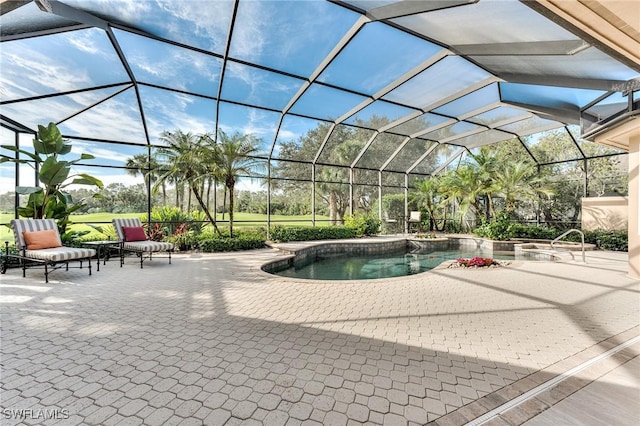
102,248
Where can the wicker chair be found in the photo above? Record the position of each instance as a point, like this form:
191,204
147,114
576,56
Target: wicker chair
139,244
39,245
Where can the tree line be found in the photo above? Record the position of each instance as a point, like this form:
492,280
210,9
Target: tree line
496,178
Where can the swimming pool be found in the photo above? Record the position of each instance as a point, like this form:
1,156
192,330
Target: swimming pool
342,266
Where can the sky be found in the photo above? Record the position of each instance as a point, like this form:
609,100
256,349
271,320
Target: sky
95,97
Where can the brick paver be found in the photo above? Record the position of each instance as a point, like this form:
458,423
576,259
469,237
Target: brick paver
211,339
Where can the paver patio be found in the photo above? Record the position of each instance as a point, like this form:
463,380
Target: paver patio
211,339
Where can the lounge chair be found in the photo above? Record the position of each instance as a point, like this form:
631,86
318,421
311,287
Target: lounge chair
415,220
132,238
39,245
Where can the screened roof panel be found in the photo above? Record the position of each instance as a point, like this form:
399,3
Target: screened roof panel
589,63
186,22
607,107
360,69
165,110
530,126
421,124
56,108
512,147
500,116
249,121
365,177
551,146
506,21
435,159
332,174
393,179
110,176
170,66
454,163
30,18
344,145
380,150
291,36
591,149
58,63
477,99
548,96
412,150
324,102
98,121
378,114
255,86
107,154
370,4
452,131
481,138
293,131
447,76
348,60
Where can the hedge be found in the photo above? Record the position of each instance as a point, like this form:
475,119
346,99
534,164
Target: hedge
503,229
293,233
240,242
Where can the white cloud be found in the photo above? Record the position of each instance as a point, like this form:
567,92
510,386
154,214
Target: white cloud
27,72
252,185
80,147
210,21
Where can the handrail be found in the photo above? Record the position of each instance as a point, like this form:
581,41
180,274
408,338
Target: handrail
567,233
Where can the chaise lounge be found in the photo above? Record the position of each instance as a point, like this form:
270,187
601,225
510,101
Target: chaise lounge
39,245
132,238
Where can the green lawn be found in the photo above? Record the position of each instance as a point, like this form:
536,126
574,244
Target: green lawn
100,219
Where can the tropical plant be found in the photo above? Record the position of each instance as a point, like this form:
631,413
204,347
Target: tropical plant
518,182
191,159
147,167
233,156
51,200
501,228
363,223
429,195
460,186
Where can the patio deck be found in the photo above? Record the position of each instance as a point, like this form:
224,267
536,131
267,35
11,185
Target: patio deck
211,339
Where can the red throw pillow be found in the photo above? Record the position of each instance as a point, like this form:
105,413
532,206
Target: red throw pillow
38,240
134,233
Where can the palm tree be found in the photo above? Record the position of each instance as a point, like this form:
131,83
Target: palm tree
233,158
488,166
147,167
191,160
430,195
461,186
518,181
139,165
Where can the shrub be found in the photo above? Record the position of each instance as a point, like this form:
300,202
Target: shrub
500,229
535,232
245,239
606,240
363,224
239,242
184,238
294,233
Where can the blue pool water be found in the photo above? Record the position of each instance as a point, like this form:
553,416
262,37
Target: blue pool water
341,266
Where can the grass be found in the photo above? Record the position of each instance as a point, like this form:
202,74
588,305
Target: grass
240,220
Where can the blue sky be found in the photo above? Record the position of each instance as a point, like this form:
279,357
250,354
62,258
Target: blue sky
292,37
